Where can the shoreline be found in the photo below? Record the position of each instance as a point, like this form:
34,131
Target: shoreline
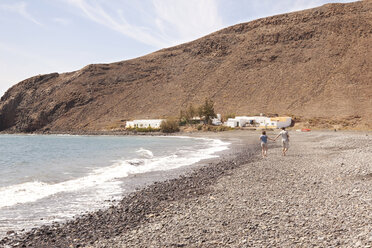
180,133
80,198
276,201
167,180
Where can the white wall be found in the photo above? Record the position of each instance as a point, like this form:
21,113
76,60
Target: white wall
129,124
262,121
231,122
144,123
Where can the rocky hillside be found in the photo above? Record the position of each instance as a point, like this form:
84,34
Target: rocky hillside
315,63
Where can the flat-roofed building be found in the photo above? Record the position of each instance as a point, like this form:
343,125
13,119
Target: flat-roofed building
155,123
259,121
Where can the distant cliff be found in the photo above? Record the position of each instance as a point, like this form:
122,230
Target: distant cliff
313,63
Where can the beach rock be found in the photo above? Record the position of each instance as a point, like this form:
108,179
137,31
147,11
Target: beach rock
273,202
309,59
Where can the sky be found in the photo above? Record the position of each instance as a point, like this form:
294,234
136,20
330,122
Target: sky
45,36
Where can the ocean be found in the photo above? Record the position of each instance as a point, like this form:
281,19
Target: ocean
47,178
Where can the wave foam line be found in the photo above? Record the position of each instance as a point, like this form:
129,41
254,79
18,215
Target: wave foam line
33,191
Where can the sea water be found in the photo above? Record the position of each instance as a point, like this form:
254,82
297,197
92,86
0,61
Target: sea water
46,178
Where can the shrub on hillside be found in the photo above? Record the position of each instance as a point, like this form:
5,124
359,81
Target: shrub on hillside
186,116
199,127
147,129
169,126
143,129
223,128
212,128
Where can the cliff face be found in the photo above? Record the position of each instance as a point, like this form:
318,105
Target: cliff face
313,63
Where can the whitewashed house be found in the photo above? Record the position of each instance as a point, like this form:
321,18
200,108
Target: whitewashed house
232,122
242,121
259,121
129,124
155,123
280,122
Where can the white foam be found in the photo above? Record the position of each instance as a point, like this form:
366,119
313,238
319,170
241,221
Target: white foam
33,191
146,153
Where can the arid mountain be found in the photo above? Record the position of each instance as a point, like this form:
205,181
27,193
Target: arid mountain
313,63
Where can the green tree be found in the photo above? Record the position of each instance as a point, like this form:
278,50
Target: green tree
200,111
182,116
169,126
207,111
188,114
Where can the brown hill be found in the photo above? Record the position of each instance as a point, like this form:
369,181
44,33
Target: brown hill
313,63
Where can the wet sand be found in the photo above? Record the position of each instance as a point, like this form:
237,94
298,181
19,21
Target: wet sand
318,195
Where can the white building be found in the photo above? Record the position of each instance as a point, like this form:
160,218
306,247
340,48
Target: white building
217,121
259,121
280,122
144,123
129,124
232,122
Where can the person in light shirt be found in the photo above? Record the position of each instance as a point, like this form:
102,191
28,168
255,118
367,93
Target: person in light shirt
285,140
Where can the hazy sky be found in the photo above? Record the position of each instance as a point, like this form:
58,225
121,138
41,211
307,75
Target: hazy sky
44,36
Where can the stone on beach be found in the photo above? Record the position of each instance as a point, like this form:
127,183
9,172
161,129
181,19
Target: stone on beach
318,195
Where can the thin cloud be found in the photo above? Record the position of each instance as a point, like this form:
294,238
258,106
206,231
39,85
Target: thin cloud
21,9
166,23
96,13
187,20
62,21
27,55
17,64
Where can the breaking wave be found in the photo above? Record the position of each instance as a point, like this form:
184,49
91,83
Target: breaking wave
145,162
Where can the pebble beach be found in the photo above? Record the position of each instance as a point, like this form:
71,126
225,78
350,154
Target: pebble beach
319,195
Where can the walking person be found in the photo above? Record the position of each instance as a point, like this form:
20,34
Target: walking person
285,140
263,139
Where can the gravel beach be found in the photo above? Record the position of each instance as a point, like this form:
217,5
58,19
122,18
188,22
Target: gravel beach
317,196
